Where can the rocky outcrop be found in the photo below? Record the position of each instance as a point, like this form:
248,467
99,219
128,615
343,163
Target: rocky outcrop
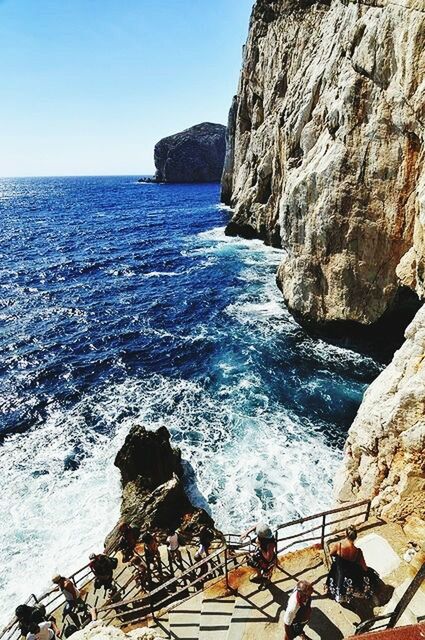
100,631
385,450
326,149
193,155
153,495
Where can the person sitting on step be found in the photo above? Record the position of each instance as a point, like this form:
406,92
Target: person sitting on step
298,611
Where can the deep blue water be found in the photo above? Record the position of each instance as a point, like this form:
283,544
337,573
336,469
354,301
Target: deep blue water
125,302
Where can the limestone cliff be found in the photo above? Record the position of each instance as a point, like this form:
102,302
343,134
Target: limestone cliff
193,155
385,450
326,148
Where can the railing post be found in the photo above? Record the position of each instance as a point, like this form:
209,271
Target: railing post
322,538
367,514
408,595
152,606
226,568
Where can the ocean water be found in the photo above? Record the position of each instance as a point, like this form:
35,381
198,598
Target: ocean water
123,302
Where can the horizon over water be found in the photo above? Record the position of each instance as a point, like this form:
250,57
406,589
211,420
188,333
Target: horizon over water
125,303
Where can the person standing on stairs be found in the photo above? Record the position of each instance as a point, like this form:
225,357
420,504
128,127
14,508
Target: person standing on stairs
173,547
298,611
264,558
73,600
349,576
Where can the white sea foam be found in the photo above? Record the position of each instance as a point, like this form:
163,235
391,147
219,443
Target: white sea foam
250,459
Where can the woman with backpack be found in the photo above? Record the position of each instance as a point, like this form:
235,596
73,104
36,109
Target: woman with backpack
349,576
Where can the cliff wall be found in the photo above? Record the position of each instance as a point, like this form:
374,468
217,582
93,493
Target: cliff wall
325,160
326,148
385,450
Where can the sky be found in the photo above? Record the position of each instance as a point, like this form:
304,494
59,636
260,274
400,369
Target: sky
89,86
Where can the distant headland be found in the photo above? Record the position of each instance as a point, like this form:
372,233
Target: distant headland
193,155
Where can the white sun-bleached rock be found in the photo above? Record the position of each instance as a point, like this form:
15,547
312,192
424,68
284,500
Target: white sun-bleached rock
326,150
385,450
98,631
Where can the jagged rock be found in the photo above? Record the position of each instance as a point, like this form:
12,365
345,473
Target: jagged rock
193,155
153,495
100,631
385,450
148,457
326,151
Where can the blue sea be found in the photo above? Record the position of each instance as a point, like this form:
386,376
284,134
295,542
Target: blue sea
125,303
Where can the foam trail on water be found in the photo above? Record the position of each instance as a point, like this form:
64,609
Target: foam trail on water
257,462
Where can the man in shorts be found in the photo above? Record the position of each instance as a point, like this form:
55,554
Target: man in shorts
298,611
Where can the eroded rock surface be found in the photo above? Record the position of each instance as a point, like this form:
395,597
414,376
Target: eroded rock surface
326,149
193,155
100,631
385,450
154,496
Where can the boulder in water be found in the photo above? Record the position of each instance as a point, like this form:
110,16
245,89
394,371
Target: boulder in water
153,495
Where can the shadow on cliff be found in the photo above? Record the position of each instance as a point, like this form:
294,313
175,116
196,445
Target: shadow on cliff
379,340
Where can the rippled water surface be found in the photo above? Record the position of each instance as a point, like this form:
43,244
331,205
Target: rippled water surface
124,302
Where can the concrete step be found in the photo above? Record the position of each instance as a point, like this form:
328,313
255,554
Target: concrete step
184,620
416,608
216,615
256,612
161,625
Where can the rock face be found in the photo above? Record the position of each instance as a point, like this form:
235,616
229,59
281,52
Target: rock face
325,152
99,631
385,450
153,496
193,155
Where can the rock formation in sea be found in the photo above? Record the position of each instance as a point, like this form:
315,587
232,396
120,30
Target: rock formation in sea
154,496
385,450
325,154
193,155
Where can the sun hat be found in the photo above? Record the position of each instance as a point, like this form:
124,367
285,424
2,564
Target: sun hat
263,531
56,578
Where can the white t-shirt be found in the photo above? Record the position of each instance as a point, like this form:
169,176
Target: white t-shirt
173,542
292,609
46,632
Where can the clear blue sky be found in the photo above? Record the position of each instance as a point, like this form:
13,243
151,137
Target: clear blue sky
89,86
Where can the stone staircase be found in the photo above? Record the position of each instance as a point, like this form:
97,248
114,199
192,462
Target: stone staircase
204,601
240,610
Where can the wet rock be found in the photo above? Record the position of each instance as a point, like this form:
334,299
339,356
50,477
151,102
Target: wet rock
193,155
154,496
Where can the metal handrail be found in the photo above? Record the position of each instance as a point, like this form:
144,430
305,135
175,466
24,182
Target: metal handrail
394,616
243,547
